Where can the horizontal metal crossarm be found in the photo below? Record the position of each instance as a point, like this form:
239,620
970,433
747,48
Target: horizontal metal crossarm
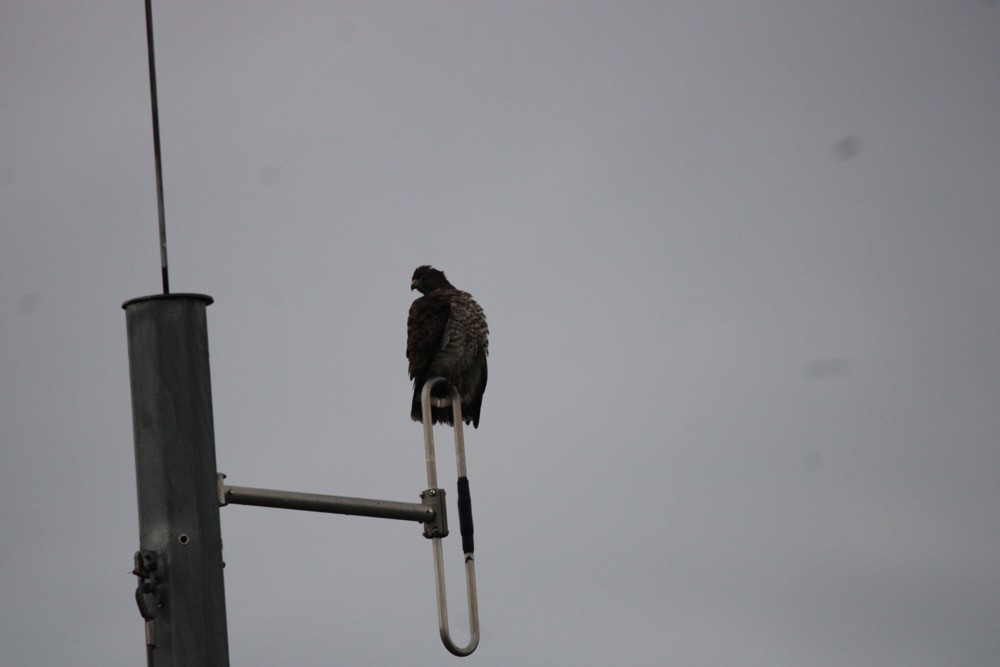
317,502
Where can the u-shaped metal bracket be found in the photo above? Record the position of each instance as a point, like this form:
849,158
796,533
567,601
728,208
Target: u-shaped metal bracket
464,515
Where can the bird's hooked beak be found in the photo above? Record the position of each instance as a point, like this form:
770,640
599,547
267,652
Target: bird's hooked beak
413,284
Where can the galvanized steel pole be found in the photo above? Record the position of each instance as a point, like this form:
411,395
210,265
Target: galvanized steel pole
179,564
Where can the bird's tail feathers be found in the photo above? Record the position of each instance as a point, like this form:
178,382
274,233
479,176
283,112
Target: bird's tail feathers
444,415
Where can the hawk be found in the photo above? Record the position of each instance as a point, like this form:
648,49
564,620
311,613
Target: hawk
446,336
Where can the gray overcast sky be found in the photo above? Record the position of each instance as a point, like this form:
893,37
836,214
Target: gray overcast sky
741,262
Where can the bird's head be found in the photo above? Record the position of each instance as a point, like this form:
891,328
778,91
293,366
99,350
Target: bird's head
427,279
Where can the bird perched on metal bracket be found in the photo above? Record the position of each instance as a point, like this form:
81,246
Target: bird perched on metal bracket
446,336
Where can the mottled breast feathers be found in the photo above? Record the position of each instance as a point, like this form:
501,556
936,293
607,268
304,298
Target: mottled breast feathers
446,336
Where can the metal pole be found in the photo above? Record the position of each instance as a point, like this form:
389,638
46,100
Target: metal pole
180,564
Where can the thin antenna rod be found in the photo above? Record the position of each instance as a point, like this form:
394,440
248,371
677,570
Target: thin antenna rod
156,147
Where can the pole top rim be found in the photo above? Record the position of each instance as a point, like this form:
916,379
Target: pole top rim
179,295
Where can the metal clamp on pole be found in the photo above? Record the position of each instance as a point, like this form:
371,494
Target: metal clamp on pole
148,594
464,518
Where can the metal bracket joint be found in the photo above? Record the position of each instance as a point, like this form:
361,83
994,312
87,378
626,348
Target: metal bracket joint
438,525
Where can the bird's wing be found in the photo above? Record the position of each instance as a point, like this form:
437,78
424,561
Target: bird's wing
425,331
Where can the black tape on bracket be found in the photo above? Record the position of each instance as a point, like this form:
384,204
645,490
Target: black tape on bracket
465,515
